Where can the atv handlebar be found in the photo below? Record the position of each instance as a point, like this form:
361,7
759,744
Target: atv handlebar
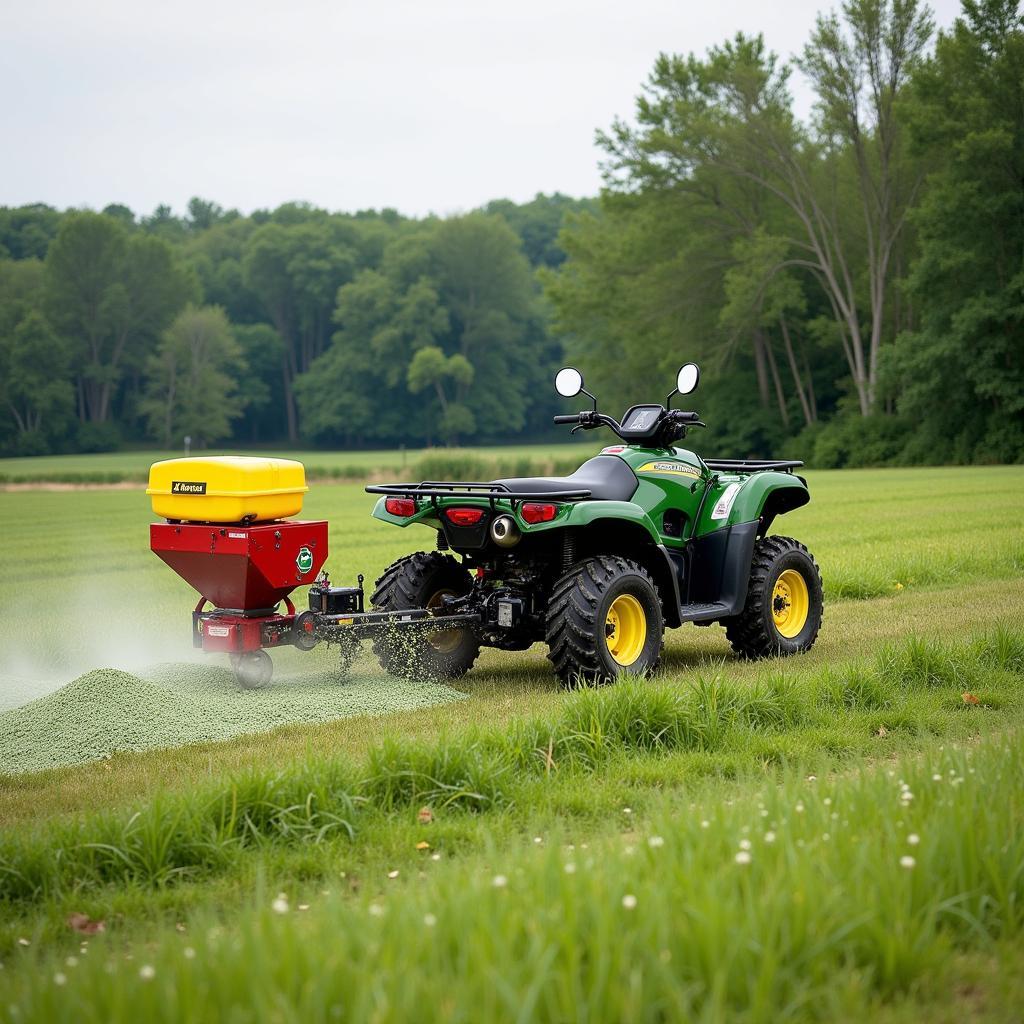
671,424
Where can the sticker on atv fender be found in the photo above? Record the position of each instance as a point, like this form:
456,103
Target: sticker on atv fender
672,468
724,504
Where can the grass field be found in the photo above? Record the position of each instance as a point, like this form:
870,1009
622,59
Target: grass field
831,837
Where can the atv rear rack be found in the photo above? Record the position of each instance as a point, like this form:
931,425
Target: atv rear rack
751,465
491,492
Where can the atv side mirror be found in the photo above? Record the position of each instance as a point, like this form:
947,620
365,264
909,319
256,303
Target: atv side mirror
688,378
568,382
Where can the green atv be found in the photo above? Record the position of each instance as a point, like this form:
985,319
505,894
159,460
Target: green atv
596,564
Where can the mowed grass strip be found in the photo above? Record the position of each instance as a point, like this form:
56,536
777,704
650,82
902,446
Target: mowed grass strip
133,466
911,688
503,689
809,899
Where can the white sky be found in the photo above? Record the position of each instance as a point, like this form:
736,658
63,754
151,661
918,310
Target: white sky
436,105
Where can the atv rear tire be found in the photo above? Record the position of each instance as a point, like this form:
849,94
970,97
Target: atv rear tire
782,614
420,581
604,618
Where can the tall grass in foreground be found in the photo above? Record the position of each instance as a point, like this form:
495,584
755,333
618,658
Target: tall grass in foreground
184,835
813,899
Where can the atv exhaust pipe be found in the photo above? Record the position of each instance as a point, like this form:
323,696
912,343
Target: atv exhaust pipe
504,532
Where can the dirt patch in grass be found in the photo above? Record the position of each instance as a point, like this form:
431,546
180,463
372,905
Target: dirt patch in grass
107,710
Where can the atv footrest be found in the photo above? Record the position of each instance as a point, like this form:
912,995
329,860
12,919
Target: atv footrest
703,612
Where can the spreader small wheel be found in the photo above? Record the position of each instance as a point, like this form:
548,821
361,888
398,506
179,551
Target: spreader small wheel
253,669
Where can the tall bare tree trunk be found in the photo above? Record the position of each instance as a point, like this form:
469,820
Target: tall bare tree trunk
760,365
779,394
787,343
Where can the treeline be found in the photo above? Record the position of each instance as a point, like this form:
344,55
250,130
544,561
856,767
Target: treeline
852,285
288,325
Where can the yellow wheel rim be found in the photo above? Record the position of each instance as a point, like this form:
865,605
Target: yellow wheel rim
444,641
791,603
625,629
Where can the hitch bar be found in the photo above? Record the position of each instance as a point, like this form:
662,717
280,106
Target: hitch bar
366,624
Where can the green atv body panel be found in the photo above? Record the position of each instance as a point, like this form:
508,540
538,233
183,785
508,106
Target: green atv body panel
702,523
668,480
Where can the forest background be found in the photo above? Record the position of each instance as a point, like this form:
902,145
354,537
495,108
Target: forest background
852,284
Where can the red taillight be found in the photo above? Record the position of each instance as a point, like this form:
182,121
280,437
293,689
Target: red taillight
464,516
538,512
400,506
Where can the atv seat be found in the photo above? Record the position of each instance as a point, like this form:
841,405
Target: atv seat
607,478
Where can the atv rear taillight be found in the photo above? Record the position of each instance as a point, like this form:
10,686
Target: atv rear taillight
400,507
538,512
464,516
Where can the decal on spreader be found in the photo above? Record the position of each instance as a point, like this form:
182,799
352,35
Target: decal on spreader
672,468
304,560
188,487
724,504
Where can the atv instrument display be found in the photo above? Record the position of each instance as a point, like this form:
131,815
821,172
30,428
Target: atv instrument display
643,536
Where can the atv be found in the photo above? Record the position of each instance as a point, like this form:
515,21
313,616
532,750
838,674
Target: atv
596,564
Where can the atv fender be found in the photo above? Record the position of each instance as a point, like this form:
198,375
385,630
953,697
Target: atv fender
584,513
760,497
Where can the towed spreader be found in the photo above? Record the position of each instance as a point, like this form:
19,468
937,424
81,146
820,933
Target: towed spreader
227,532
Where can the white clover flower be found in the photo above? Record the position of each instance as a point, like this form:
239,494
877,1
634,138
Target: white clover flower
799,808
705,823
936,777
629,901
499,881
280,905
907,862
429,920
393,874
376,910
188,953
743,857
827,801
60,979
769,837
435,856
913,839
655,841
627,810
570,868
744,844
147,972
72,961
538,839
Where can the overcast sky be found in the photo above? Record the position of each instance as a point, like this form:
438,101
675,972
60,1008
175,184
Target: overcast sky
423,105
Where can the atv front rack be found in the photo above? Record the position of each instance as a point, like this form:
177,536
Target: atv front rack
491,492
751,465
